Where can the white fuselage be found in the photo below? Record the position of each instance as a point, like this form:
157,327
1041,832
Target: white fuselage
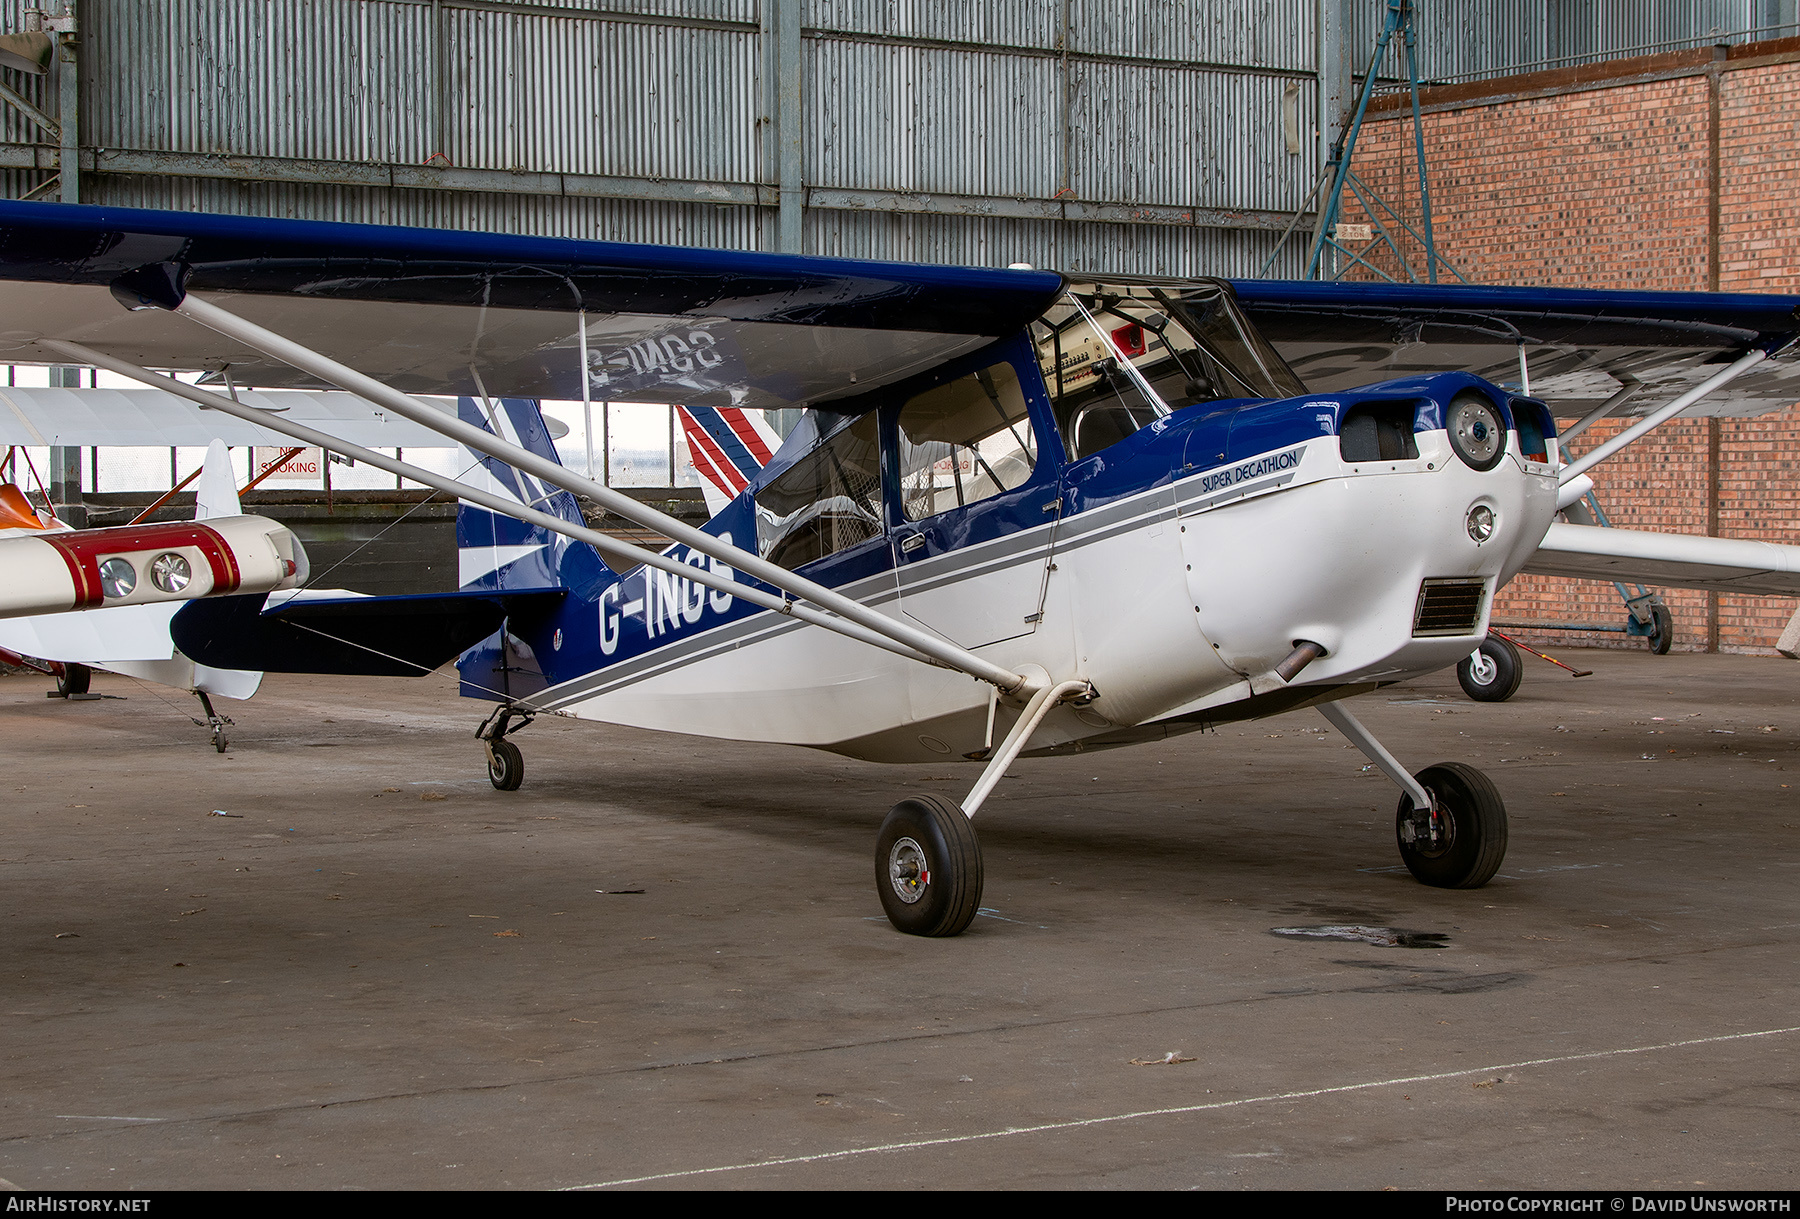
1170,602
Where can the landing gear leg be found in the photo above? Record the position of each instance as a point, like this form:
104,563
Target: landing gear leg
506,765
1451,823
927,858
214,722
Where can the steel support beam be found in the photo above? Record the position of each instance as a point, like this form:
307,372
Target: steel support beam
68,106
228,167
790,118
1333,26
17,101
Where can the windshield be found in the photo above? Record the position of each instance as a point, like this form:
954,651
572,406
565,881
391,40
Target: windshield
1103,345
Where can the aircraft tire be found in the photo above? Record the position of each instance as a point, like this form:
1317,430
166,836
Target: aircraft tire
1498,678
74,680
1477,833
1662,630
928,867
506,770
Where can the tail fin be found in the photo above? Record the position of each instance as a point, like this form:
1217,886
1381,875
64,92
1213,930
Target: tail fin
728,446
496,552
215,493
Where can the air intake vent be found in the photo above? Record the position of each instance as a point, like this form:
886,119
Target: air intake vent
1449,607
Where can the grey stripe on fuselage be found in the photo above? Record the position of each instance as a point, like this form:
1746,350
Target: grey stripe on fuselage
1026,548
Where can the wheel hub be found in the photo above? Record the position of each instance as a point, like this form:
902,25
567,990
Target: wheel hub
1482,668
908,870
1432,832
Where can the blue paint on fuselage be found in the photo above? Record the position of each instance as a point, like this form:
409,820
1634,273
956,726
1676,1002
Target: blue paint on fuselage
616,619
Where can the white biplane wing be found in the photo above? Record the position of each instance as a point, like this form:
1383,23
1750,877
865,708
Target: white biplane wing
127,417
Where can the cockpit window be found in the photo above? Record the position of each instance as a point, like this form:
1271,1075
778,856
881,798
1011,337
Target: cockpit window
964,441
827,501
1187,342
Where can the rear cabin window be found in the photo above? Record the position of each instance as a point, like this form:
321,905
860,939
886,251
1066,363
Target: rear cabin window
964,442
826,502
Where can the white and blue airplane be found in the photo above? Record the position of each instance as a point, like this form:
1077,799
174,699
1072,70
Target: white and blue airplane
1020,515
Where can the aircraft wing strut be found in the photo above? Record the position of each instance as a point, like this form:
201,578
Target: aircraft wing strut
293,354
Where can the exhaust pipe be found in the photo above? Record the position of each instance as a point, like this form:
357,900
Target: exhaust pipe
1304,653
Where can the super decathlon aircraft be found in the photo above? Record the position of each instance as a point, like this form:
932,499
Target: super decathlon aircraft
1019,515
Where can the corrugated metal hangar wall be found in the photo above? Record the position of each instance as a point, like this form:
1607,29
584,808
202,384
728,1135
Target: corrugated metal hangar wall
1170,137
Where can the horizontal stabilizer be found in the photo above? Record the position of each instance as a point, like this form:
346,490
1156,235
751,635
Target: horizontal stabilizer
367,636
1670,560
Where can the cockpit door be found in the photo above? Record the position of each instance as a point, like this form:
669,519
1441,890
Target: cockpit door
977,508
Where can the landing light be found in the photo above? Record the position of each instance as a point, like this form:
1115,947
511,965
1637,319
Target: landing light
170,572
117,578
1481,522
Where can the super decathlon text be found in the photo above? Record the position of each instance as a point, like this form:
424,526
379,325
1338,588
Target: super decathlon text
64,1206
1271,464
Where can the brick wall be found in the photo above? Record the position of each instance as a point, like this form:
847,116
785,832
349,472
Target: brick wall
1608,176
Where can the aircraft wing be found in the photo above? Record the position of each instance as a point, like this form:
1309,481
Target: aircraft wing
439,312
1670,560
1581,347
39,416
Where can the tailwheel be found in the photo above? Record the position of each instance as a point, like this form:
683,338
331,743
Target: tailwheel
214,723
928,867
1460,841
1491,673
506,765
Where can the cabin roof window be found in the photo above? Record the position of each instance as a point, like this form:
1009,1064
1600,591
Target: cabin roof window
1187,340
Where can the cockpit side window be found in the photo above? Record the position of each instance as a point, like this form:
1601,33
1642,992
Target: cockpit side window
965,441
1188,342
827,501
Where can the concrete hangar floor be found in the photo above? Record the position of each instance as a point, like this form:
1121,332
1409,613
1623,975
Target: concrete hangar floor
662,962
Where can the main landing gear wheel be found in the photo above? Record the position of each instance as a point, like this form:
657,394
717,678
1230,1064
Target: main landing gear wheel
1492,672
74,680
1460,843
506,766
1662,630
928,867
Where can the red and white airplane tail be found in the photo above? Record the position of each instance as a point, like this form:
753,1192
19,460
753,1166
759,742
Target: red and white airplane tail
131,579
